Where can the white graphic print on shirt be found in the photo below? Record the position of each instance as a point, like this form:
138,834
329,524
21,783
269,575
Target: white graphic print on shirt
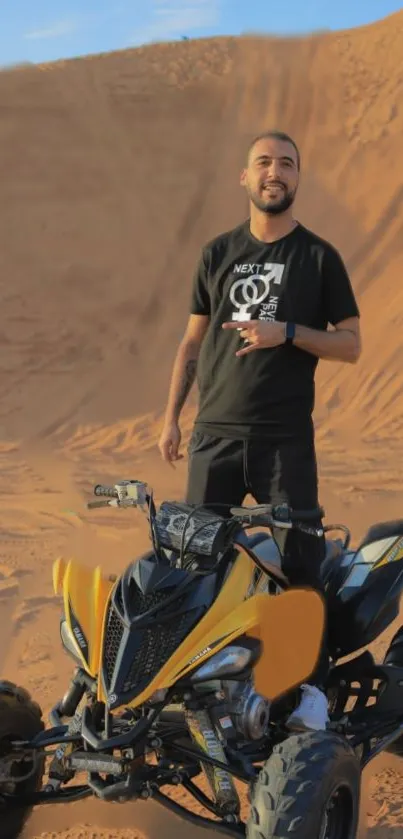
255,289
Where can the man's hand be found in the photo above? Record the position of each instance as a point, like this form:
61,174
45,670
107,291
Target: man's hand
169,443
258,334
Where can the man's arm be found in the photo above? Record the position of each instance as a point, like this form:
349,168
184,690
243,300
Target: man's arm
343,343
184,369
183,376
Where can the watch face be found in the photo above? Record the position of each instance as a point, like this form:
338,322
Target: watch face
290,331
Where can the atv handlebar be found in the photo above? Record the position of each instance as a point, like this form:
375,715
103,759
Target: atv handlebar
169,525
134,494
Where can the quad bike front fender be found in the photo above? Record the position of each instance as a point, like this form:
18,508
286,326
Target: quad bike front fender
290,627
85,593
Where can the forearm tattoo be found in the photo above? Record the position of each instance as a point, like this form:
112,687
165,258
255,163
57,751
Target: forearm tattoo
186,383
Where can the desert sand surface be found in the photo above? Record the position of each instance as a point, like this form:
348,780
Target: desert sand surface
114,170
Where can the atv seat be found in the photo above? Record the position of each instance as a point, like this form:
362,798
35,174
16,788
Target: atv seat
383,530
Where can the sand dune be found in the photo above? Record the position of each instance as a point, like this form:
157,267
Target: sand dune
114,170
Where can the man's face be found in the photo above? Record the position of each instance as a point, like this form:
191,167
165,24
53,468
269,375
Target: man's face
271,176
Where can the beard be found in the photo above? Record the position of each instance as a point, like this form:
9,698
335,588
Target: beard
273,206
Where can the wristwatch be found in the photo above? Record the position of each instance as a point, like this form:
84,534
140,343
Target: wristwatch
289,332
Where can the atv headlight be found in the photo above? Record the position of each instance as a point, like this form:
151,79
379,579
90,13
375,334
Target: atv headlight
68,641
228,662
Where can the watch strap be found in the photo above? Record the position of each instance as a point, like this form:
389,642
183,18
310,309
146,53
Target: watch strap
289,332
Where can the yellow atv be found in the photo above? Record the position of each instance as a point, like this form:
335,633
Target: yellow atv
188,665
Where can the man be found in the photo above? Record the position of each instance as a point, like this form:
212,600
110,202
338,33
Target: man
263,297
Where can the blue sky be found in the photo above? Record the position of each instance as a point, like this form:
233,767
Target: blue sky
46,30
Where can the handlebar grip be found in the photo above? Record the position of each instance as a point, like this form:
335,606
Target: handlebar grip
307,515
110,492
92,505
276,512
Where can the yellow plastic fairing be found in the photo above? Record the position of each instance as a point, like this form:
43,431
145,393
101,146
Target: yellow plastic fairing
290,627
85,595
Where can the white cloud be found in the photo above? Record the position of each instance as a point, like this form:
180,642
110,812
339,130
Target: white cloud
82,22
57,30
173,18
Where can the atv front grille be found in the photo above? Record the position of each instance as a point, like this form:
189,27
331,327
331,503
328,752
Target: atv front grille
141,603
113,638
152,645
157,645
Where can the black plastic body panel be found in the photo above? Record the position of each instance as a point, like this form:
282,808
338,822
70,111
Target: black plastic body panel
152,611
358,617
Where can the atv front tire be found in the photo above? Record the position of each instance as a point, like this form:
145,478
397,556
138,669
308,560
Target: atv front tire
20,719
308,789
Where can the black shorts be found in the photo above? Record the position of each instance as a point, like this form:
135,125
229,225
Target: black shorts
225,471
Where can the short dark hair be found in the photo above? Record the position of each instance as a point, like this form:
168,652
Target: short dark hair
275,135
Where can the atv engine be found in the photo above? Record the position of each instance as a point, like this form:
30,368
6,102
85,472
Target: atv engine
250,712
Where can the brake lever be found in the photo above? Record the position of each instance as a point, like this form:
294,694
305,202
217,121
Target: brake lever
281,524
255,511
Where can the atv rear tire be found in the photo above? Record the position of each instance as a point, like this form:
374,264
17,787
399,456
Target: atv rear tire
20,719
308,789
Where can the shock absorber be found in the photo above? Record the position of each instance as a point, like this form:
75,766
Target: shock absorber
68,707
58,772
222,786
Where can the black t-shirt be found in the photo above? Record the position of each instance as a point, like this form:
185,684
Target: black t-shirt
299,278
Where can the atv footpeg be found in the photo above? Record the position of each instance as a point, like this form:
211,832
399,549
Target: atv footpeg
89,762
120,791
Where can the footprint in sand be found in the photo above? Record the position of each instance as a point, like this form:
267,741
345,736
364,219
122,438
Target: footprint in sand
38,648
28,610
87,831
9,585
